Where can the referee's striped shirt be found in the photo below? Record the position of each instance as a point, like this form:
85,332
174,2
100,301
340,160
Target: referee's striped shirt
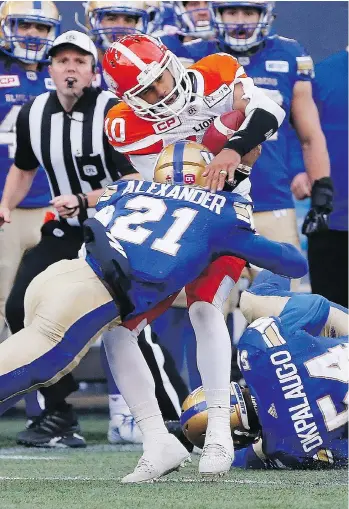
71,147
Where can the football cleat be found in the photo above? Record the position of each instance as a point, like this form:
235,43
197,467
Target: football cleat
217,456
123,429
159,458
52,429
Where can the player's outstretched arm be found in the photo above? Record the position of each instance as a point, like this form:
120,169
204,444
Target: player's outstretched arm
280,258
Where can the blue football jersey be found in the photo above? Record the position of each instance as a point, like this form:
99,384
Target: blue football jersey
189,52
19,86
166,235
331,97
275,68
298,381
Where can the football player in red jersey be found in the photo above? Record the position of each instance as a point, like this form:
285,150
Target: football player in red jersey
162,103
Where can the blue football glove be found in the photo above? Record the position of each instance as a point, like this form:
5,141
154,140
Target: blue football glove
321,205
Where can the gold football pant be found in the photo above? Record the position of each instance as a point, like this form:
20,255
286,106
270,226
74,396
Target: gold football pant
66,309
23,233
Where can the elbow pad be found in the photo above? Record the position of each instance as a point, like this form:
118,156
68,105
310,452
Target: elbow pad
259,126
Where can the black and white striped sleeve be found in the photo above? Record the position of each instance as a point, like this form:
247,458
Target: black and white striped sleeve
25,158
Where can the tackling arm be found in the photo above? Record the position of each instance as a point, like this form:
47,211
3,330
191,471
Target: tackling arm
280,258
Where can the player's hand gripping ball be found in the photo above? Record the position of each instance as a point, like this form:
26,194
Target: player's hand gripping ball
221,130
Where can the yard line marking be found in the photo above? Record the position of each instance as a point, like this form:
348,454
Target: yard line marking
24,457
182,480
90,448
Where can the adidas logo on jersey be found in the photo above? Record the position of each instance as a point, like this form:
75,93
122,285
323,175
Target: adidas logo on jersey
269,134
272,411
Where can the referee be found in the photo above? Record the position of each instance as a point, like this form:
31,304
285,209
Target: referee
63,131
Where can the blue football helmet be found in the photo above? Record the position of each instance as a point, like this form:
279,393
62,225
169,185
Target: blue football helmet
242,37
28,48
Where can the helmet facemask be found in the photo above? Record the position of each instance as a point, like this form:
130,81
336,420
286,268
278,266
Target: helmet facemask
251,34
105,36
185,19
35,48
248,429
182,90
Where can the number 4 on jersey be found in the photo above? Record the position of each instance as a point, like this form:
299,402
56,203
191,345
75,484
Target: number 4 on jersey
332,365
8,130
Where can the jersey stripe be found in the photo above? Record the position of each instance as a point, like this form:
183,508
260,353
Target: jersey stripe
141,144
130,55
178,162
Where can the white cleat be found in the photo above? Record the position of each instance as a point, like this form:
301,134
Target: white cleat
217,457
123,429
159,458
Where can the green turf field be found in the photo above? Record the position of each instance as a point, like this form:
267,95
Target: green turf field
89,479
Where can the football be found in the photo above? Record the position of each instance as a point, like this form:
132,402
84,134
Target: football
221,129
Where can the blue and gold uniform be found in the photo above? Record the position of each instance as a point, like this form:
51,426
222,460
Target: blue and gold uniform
296,367
143,246
19,86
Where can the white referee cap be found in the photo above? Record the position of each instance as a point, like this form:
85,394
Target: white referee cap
78,39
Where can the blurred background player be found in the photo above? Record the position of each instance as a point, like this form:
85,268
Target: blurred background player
78,164
105,21
328,249
294,359
190,23
283,69
27,32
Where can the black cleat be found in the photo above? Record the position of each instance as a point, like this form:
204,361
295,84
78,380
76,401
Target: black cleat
53,429
175,428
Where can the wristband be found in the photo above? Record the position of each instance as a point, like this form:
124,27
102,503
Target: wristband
82,200
259,126
322,194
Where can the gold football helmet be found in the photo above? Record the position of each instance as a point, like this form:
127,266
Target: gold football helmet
182,163
138,17
28,48
243,418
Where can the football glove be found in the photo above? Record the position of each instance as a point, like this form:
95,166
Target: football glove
321,205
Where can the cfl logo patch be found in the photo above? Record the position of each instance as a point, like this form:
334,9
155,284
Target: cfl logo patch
189,179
